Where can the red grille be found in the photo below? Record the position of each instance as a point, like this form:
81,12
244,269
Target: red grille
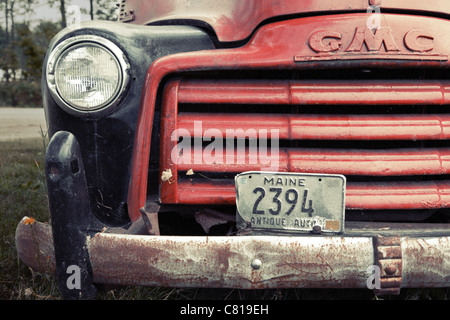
379,177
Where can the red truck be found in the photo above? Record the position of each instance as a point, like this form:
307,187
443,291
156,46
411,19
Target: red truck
248,144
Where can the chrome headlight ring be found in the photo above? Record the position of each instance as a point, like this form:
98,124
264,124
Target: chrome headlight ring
87,75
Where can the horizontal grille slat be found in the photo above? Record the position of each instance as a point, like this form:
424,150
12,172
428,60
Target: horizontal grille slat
317,92
325,127
347,162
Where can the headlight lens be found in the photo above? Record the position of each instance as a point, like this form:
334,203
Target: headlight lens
87,74
87,77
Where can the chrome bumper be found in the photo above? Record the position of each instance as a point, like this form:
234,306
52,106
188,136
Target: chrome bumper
253,262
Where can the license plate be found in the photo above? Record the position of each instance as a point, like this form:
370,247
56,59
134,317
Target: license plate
290,202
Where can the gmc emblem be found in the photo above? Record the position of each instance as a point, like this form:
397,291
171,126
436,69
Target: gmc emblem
417,45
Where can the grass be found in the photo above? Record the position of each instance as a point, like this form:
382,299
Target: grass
23,193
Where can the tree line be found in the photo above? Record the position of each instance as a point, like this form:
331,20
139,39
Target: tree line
23,43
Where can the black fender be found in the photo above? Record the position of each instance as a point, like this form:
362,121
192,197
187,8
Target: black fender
71,217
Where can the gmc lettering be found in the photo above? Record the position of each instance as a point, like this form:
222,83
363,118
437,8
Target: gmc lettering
330,41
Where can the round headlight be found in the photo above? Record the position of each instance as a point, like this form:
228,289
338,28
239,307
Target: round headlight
87,74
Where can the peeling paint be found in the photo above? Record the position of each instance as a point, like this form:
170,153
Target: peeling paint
166,175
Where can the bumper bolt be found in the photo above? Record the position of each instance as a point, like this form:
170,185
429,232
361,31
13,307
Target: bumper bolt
390,270
256,264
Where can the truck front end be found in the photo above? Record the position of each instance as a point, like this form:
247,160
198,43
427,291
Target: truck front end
251,144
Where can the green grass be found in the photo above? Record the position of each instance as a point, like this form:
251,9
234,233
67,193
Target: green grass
23,193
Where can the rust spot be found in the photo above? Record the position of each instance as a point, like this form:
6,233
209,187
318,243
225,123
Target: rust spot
29,221
332,225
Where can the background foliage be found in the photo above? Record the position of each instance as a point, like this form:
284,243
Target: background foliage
23,43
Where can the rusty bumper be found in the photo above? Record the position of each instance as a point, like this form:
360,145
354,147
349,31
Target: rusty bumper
252,262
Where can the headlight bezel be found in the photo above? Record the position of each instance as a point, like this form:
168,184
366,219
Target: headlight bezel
76,42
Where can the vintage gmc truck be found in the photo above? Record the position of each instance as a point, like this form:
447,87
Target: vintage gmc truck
248,144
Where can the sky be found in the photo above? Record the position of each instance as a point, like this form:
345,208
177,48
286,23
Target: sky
45,12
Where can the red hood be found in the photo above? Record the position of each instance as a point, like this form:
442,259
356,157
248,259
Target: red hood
234,20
